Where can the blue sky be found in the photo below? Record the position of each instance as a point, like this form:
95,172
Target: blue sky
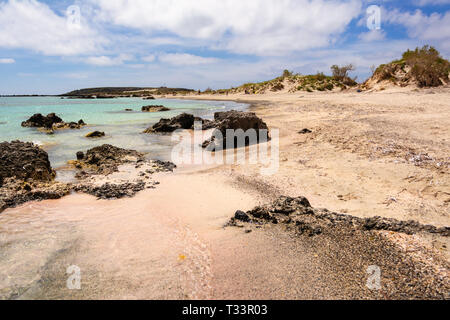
47,49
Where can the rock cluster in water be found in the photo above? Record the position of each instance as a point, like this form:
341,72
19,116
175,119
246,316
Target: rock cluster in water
222,122
298,213
95,134
154,109
26,173
105,159
51,122
182,121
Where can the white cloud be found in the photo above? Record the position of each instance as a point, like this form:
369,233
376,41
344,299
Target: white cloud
149,58
106,61
262,27
422,26
7,61
185,59
373,35
432,29
29,24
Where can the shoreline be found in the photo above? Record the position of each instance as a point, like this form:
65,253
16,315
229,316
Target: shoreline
127,240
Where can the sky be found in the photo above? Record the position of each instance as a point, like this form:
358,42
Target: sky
51,47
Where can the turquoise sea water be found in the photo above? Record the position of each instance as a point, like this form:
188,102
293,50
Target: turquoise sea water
123,129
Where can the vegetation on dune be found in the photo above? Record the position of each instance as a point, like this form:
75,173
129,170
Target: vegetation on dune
293,82
342,74
424,67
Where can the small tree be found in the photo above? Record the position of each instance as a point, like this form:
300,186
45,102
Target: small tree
341,74
287,74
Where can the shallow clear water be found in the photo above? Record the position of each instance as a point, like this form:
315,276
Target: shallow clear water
122,128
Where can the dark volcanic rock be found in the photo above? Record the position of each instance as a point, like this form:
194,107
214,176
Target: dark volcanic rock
241,216
182,121
247,123
24,161
111,190
80,155
154,109
51,122
105,159
39,121
307,220
95,134
305,131
16,192
164,166
26,175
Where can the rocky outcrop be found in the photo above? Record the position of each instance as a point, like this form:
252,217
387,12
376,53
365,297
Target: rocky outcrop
105,159
182,121
51,122
155,109
95,134
298,214
39,121
26,175
24,161
111,190
236,120
16,192
149,98
222,121
98,165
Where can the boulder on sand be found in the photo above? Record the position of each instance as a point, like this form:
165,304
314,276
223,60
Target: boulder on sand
236,120
24,161
154,109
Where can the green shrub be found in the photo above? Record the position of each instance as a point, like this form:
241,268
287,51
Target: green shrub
287,74
427,66
329,86
341,74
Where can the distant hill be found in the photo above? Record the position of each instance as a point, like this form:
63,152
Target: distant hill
424,67
113,92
